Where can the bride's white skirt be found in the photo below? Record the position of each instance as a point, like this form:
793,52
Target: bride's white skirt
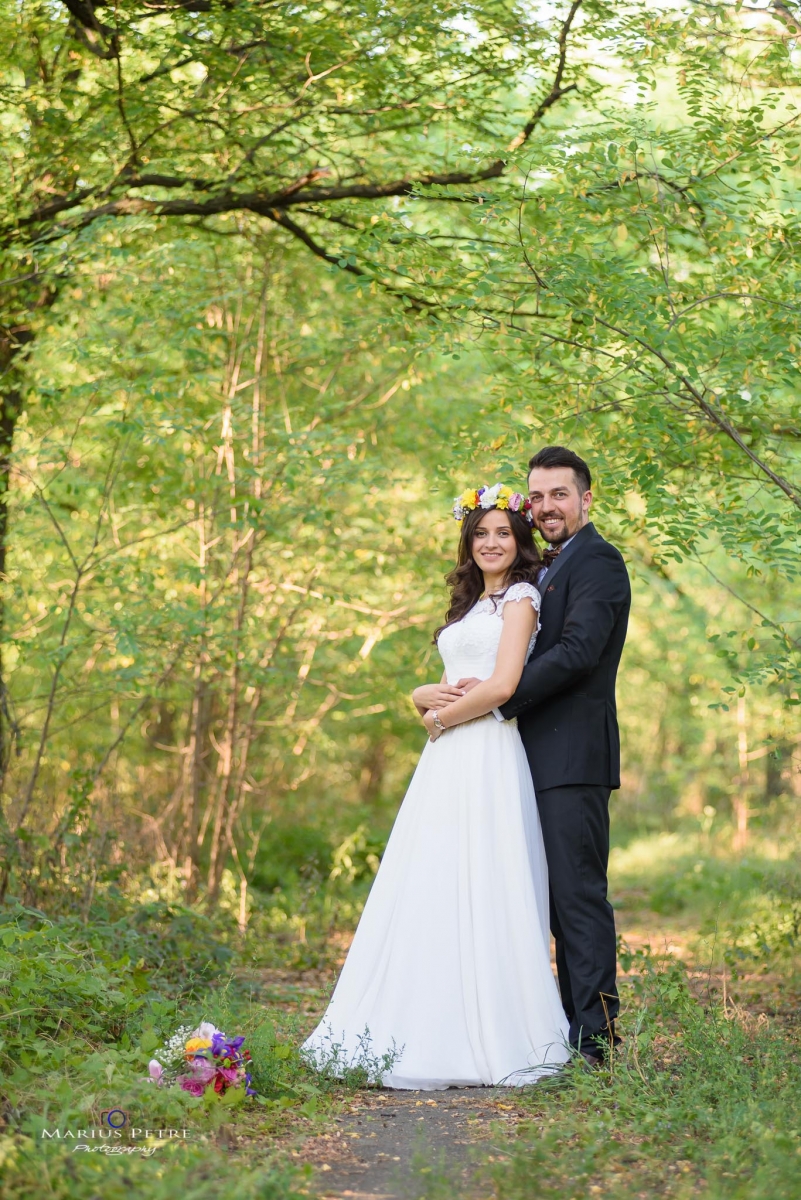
450,964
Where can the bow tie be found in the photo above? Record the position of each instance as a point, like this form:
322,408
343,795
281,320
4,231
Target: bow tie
550,554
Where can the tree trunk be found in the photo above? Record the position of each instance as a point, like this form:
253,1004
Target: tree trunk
10,408
193,789
776,772
15,344
372,773
740,799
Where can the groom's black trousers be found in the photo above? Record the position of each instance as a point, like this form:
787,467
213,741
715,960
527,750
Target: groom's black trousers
575,829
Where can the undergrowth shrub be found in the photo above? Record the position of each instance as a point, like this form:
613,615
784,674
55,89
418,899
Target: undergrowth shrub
83,1005
67,986
194,1173
770,937
703,1099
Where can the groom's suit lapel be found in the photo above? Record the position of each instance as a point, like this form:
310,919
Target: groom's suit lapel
581,537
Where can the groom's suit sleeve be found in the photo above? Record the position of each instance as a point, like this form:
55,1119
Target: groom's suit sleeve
599,590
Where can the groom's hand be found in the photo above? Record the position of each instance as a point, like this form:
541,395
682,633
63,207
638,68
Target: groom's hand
435,695
467,685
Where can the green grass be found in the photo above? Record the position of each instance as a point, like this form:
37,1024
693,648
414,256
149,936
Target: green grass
704,1099
82,1008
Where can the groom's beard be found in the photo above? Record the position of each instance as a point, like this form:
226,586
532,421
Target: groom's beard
560,533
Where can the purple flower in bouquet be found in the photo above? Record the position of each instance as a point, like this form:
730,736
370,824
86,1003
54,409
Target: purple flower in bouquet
155,1070
223,1047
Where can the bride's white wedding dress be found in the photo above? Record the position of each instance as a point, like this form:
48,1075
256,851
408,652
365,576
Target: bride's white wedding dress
450,963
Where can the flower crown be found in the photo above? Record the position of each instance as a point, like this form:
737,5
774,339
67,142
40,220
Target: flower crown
498,496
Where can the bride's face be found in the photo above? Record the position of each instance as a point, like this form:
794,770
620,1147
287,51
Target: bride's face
494,547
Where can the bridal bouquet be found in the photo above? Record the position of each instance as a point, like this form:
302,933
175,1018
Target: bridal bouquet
202,1058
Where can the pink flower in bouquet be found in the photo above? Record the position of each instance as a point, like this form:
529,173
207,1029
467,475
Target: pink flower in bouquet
155,1070
202,1069
194,1086
201,1073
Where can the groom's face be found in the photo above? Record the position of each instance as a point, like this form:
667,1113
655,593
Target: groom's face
558,508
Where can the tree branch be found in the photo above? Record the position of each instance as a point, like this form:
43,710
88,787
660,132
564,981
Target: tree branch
308,241
557,91
89,30
263,204
713,412
791,642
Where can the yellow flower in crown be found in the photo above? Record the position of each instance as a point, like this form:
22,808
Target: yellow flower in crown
498,496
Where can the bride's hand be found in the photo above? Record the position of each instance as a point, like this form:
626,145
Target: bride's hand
435,695
428,721
468,684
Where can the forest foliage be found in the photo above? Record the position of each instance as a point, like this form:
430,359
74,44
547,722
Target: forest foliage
277,282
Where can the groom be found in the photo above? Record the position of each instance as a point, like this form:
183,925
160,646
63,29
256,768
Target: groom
565,705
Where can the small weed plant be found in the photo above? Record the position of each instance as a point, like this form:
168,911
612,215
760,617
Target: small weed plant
702,1099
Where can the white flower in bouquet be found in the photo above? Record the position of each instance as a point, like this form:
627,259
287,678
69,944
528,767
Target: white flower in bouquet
172,1052
206,1030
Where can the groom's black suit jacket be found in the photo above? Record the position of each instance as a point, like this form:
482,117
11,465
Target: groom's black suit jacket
565,701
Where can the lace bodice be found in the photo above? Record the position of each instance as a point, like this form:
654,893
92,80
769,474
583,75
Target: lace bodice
469,647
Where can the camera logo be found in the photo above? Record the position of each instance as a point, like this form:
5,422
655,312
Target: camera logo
115,1118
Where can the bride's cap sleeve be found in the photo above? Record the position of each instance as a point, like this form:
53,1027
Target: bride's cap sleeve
523,591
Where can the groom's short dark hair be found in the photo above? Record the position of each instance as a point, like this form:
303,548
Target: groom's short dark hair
560,456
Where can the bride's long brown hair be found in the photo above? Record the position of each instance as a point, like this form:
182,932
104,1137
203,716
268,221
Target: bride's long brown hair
466,580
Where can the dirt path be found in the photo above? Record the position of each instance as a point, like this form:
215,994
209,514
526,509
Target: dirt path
400,1145
397,1145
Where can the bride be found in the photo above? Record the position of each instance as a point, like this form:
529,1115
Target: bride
449,978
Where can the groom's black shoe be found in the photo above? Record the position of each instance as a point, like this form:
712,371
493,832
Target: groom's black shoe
593,1061
597,1051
